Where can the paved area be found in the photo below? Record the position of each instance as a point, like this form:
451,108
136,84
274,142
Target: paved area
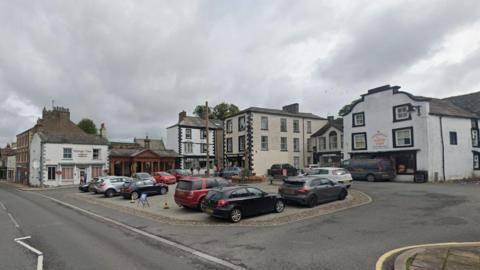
180,215
401,214
447,258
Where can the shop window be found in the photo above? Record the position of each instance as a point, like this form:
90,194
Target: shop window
241,123
453,138
283,144
229,126
283,124
476,161
358,119
229,145
405,163
67,173
264,143
264,123
403,137
188,133
97,171
359,141
401,113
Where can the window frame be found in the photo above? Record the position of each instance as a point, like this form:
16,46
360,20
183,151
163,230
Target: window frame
188,149
476,142
395,116
283,139
309,126
49,172
331,146
394,137
476,167
240,140
296,126
354,117
263,120
262,143
203,134
203,148
453,137
71,153
229,126
322,143
188,133
283,120
98,153
241,120
229,145
298,145
364,134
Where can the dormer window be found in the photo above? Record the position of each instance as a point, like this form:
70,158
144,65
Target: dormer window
401,113
358,119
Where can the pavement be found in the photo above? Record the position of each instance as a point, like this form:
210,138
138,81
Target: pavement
446,258
180,215
401,214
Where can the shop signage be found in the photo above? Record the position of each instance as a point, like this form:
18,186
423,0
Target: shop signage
380,140
82,153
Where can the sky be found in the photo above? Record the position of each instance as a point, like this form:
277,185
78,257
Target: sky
135,64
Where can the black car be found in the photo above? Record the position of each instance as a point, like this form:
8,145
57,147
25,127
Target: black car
133,190
231,171
85,187
311,190
236,202
283,170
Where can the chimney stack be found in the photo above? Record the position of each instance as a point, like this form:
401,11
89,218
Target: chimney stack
103,131
330,118
292,108
182,116
147,142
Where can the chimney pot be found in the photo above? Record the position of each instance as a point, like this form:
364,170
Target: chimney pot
182,116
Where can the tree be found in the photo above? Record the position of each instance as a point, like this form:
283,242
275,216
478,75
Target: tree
88,126
219,112
344,109
224,110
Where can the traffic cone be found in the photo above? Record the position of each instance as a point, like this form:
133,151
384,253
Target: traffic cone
165,205
132,200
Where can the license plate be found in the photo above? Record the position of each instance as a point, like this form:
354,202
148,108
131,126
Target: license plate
288,191
209,211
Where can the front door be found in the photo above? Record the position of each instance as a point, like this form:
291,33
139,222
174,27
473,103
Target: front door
83,175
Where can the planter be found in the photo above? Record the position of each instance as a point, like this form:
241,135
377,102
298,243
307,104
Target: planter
250,179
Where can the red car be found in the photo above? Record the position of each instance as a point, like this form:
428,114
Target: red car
190,191
164,177
180,173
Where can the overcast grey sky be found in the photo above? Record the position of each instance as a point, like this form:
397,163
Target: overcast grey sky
135,64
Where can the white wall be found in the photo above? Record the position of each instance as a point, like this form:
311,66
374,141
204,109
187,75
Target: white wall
172,138
197,142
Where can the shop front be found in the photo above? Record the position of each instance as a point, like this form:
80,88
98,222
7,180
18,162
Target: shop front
125,162
404,162
328,159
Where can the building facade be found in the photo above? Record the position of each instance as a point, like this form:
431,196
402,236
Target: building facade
262,137
439,136
327,143
188,136
58,158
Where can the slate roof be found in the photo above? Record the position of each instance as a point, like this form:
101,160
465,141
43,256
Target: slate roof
74,138
280,112
134,152
155,144
447,108
193,121
470,102
337,123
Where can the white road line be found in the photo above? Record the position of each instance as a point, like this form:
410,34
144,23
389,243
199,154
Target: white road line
3,206
151,236
34,250
13,220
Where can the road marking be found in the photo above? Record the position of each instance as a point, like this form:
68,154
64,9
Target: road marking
384,257
34,250
3,206
151,236
13,220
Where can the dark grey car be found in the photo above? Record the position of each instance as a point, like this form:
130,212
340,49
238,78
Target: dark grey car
311,191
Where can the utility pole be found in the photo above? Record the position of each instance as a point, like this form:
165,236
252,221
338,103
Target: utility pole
207,134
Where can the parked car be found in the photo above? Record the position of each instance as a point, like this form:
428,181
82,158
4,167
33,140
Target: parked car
190,191
277,170
236,202
164,177
311,190
86,186
110,186
370,169
142,176
231,171
179,173
133,190
337,175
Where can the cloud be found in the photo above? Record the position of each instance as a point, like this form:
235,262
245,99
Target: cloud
135,64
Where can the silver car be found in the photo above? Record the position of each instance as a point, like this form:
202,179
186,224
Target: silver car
337,175
110,185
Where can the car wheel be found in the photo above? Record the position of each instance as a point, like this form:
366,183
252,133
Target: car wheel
370,178
163,191
279,206
134,195
200,205
343,194
312,201
109,193
235,215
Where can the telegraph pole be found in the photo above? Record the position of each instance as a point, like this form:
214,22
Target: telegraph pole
207,134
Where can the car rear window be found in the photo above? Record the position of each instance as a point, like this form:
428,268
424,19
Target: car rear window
339,172
319,171
276,166
214,195
289,183
189,185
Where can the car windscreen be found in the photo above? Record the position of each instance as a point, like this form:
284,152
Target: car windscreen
339,172
290,183
318,171
214,195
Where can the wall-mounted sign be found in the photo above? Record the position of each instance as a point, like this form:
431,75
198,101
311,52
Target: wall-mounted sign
82,153
380,141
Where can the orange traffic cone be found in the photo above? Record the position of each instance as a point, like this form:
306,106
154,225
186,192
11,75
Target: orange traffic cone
165,205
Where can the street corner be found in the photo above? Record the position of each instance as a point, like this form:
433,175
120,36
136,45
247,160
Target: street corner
439,256
163,209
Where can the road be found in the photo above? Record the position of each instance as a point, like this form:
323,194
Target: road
72,240
401,214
